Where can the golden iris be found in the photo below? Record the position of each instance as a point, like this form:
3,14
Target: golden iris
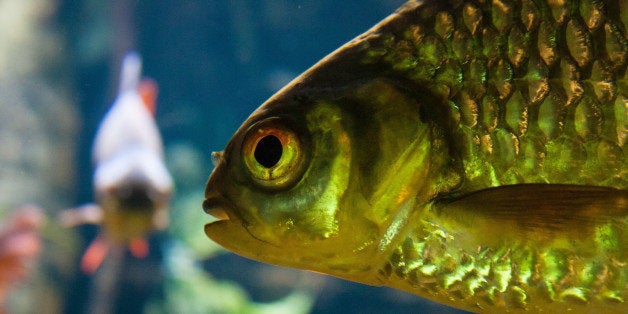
271,153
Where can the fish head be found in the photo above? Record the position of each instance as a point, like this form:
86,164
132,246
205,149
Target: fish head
137,194
300,183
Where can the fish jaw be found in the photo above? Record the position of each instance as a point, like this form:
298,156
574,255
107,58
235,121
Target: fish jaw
233,234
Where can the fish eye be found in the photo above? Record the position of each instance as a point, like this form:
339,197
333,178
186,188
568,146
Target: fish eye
272,154
268,151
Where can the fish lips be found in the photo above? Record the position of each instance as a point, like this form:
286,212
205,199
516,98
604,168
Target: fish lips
218,207
230,230
223,212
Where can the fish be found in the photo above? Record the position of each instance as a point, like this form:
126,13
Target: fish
132,185
470,152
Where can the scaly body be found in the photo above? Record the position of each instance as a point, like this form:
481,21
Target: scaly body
469,152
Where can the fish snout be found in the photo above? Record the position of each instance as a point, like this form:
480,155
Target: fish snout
218,207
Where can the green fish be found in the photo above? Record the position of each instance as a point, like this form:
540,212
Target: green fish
470,152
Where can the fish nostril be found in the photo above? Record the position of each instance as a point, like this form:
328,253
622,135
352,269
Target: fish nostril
216,158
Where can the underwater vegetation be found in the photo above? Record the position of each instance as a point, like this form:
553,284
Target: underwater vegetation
20,245
38,127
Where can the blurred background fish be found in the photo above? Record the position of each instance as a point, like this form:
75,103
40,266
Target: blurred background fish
131,182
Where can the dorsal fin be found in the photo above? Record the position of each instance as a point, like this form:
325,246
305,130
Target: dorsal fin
130,71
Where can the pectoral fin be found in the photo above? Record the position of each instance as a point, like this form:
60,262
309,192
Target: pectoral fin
85,214
545,207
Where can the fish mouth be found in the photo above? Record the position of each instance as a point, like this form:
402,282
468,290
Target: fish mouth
228,229
217,208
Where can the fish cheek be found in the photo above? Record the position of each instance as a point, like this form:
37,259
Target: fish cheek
307,212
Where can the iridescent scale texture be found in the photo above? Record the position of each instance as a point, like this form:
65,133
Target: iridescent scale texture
538,93
538,89
515,276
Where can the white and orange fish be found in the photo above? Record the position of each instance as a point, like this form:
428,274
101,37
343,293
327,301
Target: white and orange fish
131,183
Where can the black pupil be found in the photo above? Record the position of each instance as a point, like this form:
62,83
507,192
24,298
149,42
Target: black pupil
268,151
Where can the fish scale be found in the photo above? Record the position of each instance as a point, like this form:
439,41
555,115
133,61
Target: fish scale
541,105
542,79
470,152
507,278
